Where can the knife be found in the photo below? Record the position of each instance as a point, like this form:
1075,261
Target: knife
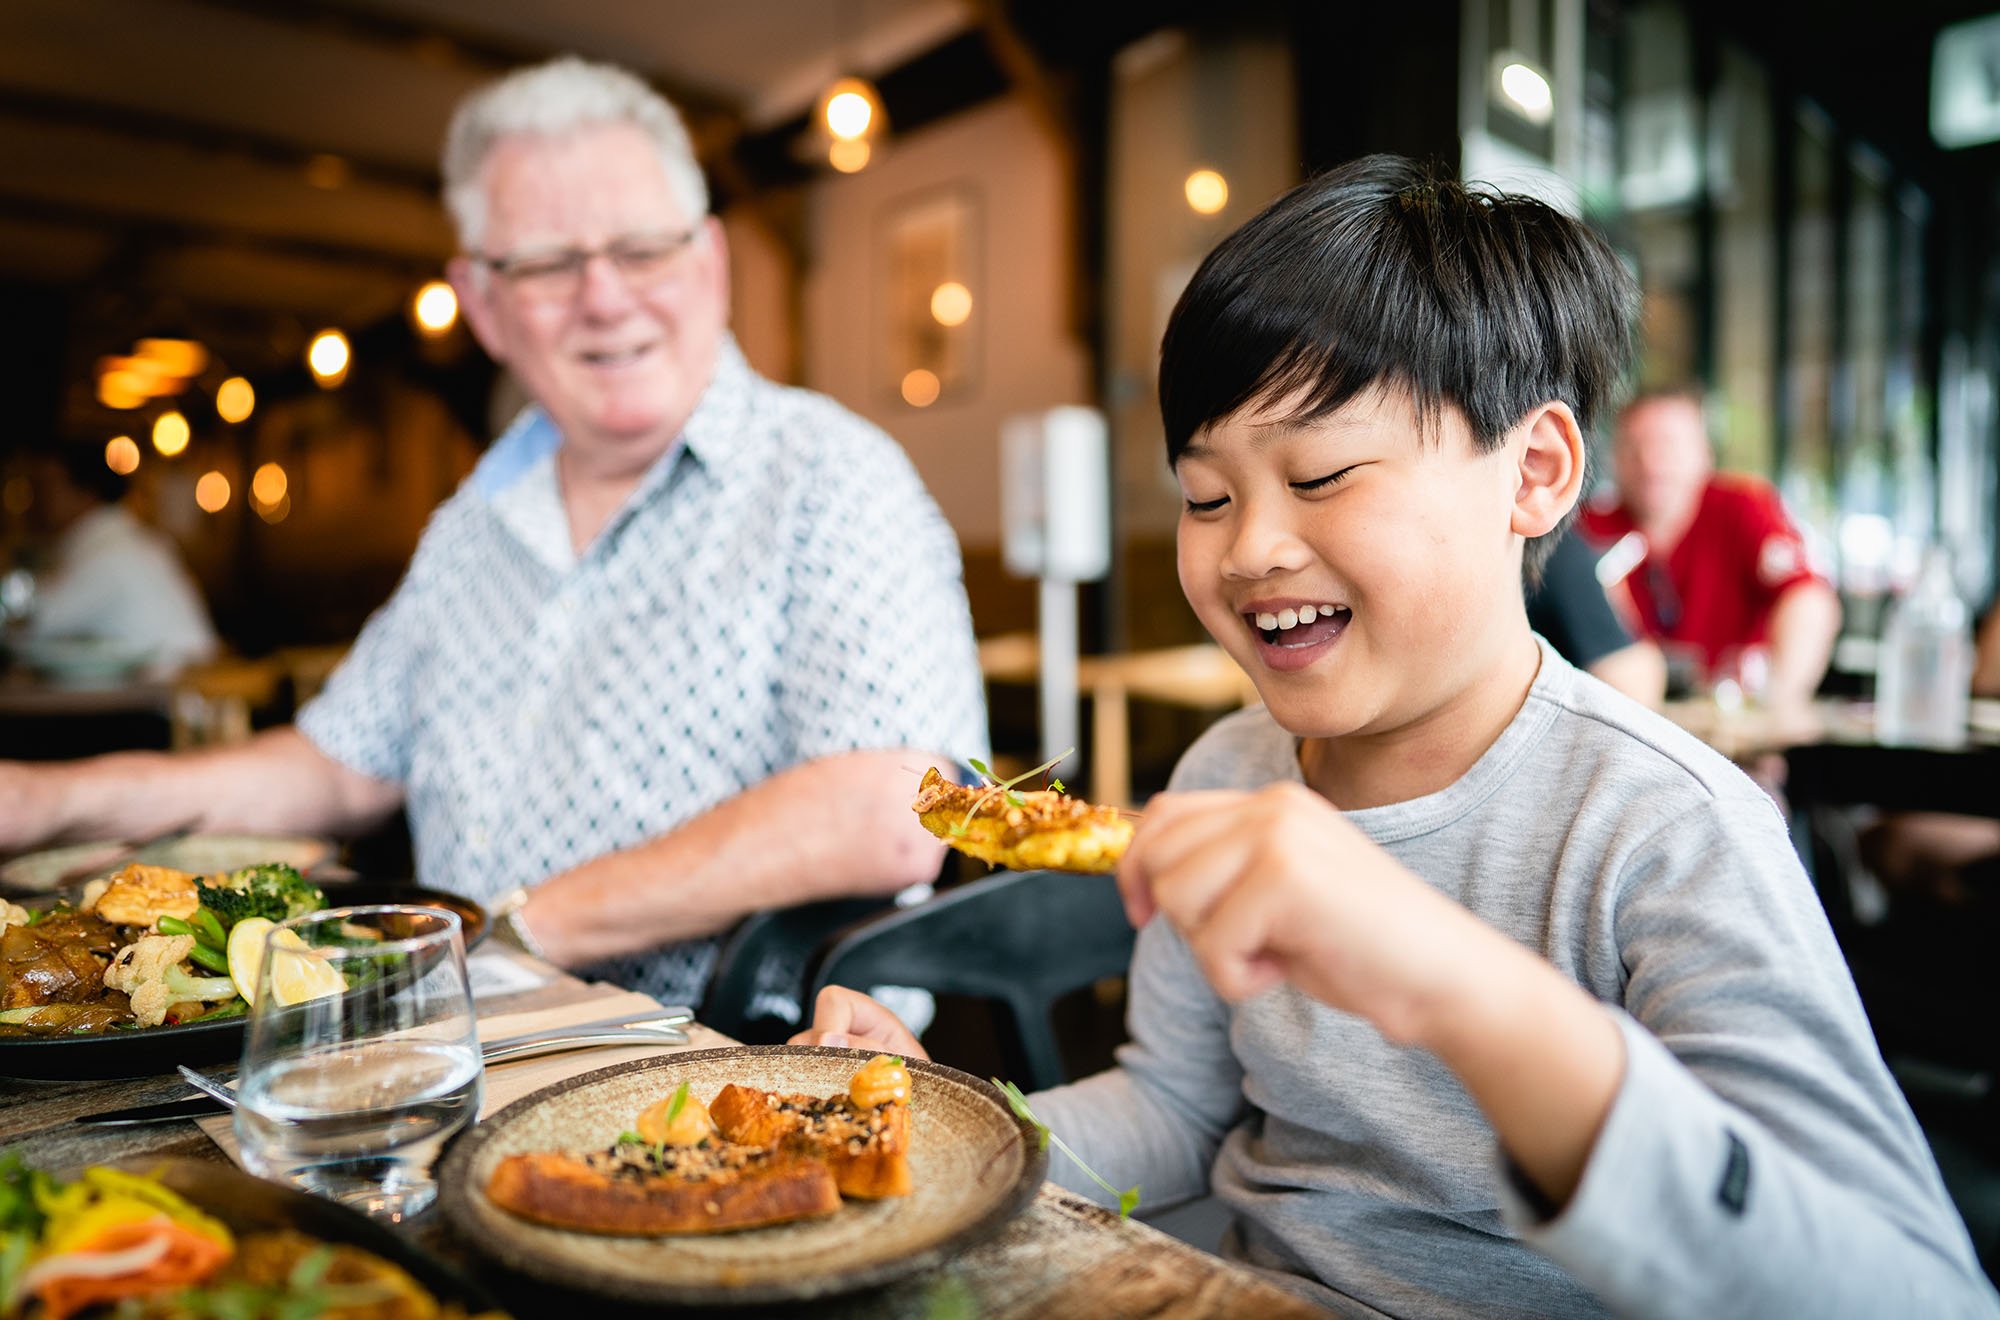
506,1050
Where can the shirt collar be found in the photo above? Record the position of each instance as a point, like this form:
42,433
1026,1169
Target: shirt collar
714,433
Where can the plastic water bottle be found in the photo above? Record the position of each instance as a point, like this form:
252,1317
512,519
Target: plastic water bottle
1923,685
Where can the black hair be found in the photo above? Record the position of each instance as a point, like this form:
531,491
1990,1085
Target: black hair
1384,270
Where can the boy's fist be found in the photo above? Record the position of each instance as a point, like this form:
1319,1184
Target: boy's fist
1277,886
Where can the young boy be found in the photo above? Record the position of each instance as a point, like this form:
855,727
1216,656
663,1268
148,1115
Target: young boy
1442,888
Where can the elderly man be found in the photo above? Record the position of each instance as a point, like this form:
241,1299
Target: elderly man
680,646
1724,571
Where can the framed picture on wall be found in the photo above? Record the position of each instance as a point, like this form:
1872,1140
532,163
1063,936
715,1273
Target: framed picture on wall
927,329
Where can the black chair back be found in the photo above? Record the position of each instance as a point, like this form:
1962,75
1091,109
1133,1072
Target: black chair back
1021,938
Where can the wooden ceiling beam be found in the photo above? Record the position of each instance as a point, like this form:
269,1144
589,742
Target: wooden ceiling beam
51,110
711,120
129,227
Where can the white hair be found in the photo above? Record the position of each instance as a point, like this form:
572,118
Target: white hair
548,100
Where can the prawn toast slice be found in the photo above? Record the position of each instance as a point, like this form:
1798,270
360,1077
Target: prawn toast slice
1023,831
634,1189
867,1147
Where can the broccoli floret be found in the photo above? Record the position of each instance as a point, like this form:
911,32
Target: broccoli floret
272,891
149,971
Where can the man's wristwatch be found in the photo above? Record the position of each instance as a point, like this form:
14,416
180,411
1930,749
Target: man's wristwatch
508,910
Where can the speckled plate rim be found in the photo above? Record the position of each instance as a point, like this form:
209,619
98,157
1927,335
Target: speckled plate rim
460,1199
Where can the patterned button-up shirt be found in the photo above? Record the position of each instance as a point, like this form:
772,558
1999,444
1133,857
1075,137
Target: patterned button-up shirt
779,587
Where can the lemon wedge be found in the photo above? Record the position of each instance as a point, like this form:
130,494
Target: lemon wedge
297,974
246,954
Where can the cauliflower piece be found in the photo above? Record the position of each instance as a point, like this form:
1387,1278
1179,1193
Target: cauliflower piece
149,971
13,914
140,895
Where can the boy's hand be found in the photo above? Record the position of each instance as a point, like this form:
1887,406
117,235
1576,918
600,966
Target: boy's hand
851,1020
1276,886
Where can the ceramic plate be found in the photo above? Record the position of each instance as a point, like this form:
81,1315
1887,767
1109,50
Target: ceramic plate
250,1205
144,1051
204,854
974,1163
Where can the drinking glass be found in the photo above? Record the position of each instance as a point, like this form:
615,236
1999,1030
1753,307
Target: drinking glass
362,1056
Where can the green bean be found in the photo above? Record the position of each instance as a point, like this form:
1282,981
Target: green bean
210,926
213,959
175,926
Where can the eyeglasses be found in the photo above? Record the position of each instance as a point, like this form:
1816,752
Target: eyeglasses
556,275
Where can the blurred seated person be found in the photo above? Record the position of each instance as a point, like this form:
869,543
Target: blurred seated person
1724,570
678,648
1570,607
106,575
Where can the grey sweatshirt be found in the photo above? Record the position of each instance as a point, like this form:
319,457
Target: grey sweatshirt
1758,1159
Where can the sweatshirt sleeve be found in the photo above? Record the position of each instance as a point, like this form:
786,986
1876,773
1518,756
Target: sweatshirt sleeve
1156,1120
1758,1159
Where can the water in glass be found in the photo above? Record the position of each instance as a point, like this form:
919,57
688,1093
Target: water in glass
350,1093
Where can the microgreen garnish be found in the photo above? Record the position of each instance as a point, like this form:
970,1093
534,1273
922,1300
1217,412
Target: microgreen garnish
1004,787
1056,786
1128,1201
630,1138
678,1103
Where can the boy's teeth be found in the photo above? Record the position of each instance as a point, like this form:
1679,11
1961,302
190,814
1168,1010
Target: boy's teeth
1287,619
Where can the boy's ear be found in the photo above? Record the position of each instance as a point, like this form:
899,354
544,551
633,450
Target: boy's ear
1550,447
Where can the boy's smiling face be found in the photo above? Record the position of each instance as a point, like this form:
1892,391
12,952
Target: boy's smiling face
1408,532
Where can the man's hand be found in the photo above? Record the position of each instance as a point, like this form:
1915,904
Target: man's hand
849,1019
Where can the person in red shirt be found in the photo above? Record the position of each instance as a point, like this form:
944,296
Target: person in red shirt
1721,570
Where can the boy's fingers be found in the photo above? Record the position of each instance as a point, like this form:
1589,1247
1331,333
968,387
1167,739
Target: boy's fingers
1234,942
1195,863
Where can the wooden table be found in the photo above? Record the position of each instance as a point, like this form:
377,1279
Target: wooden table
1063,1257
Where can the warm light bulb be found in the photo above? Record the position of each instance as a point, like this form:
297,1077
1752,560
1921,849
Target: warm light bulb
951,303
170,433
848,114
435,308
121,455
212,492
1207,192
176,357
122,390
328,357
849,157
268,484
235,400
1529,91
921,388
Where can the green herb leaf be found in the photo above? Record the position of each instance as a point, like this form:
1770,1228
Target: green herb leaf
678,1103
1128,1200
1001,786
980,766
1015,799
1056,786
629,1138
